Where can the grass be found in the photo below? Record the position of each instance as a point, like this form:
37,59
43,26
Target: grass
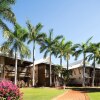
40,93
94,95
49,93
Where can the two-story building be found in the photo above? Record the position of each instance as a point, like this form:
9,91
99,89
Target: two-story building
42,72
7,69
77,73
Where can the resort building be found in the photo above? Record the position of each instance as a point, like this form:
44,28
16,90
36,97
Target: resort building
77,74
7,69
42,72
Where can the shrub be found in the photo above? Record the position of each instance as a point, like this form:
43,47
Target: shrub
9,91
21,84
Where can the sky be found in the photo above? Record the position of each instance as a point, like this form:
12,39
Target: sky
76,20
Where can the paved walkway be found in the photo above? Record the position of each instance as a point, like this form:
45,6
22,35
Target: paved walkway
73,95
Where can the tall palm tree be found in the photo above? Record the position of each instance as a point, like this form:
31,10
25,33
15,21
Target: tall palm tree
64,50
68,50
82,48
34,36
15,42
48,47
94,49
6,13
59,49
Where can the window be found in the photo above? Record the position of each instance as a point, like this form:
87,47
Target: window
74,72
79,70
79,78
47,72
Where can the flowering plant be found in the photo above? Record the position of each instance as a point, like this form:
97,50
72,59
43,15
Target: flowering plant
9,91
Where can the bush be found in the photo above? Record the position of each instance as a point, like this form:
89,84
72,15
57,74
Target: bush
21,84
9,91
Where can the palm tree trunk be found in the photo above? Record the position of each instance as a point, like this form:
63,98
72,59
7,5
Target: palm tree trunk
33,69
55,80
3,72
16,68
61,61
50,72
67,69
83,83
93,73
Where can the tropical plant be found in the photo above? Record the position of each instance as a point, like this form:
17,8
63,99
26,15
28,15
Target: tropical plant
68,50
57,71
64,50
15,42
79,49
48,46
94,50
59,49
6,13
64,74
34,36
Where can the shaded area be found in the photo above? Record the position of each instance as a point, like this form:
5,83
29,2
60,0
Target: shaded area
86,90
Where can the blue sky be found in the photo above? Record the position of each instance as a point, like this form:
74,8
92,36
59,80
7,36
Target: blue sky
76,20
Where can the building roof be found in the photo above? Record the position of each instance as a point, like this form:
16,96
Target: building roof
76,64
80,64
11,61
42,61
97,66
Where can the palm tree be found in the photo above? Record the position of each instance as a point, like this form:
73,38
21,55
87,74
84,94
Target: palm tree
82,48
15,42
64,50
6,13
59,49
48,46
68,50
34,36
94,49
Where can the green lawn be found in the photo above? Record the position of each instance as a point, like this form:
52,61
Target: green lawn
94,95
40,93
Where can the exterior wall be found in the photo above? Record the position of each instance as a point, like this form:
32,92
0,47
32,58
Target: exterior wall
8,72
41,74
2,62
47,75
77,75
97,77
36,75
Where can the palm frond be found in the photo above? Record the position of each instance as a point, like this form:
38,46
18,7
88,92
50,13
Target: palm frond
43,48
29,26
77,53
8,1
4,26
8,15
88,41
25,52
50,34
38,27
46,53
5,46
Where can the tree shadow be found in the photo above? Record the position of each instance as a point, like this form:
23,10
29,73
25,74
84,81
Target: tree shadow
86,89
